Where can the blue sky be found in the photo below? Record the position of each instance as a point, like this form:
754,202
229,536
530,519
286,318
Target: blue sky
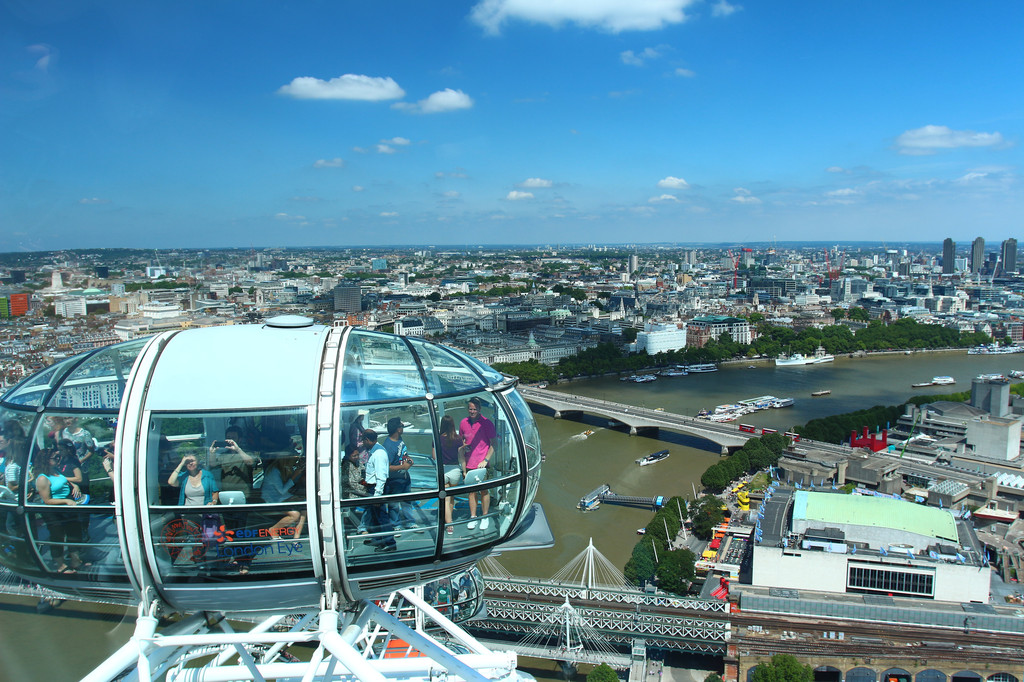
228,123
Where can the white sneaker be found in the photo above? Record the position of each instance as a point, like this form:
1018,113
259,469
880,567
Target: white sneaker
472,524
485,524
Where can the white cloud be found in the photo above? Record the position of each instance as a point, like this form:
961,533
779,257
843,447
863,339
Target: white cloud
385,149
844,192
450,194
835,169
357,188
93,200
349,86
743,196
519,196
663,199
439,102
46,56
633,59
929,139
336,162
685,73
607,15
287,216
397,141
389,214
973,176
535,183
671,182
723,9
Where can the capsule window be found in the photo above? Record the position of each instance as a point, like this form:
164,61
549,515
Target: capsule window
228,494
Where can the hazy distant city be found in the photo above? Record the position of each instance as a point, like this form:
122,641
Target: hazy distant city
506,305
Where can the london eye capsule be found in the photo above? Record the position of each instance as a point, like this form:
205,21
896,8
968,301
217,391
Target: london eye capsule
250,467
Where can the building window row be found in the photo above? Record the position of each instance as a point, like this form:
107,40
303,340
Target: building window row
881,580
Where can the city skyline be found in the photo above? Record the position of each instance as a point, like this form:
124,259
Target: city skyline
507,122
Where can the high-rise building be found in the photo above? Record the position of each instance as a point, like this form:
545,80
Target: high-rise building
977,255
948,256
347,298
1008,255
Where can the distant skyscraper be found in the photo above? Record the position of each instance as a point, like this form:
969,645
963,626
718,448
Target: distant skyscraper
1008,255
948,256
634,263
977,254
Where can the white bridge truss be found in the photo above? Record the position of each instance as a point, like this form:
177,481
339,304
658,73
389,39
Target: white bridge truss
364,642
684,632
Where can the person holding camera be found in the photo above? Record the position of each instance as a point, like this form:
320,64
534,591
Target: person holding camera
283,481
199,487
236,465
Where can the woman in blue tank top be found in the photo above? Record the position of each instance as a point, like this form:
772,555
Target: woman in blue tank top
55,489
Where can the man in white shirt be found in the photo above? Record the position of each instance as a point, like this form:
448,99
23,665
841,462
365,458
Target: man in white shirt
377,469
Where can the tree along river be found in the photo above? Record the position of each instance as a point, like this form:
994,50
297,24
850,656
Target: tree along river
74,638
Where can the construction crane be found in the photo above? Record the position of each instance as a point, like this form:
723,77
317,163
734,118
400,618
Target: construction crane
735,268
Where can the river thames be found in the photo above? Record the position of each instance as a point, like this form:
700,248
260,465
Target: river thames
73,639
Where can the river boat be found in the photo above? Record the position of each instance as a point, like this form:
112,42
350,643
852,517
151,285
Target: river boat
705,367
1017,374
783,402
818,394
588,432
943,381
922,384
797,360
641,531
994,349
675,372
643,378
653,458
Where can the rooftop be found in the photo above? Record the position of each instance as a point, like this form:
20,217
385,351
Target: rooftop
874,511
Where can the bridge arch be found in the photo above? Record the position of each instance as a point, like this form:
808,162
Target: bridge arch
861,675
896,675
1003,677
966,676
827,673
930,675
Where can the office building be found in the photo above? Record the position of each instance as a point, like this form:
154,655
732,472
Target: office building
1008,255
948,256
347,299
977,255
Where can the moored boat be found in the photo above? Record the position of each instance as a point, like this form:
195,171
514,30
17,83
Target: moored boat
818,394
796,359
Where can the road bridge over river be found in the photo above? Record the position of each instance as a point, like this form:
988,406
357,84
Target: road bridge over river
637,418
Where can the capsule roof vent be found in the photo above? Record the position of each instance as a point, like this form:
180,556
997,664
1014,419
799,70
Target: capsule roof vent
289,322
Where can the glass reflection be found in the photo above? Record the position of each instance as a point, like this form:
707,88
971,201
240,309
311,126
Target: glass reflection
227,494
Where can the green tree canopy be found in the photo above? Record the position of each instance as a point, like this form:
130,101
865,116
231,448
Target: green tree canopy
602,673
782,668
675,571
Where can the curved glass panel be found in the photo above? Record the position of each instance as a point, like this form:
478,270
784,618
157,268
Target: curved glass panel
379,367
446,372
98,382
486,452
393,459
33,391
459,596
14,445
490,374
528,427
69,494
227,495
